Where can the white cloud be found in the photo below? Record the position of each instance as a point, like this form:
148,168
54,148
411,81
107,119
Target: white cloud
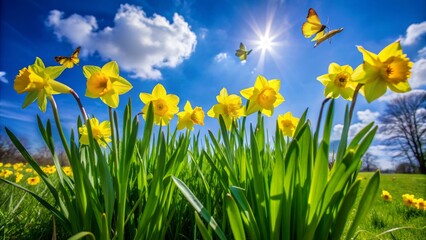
3,79
384,155
220,57
365,117
389,96
414,31
140,44
422,52
418,73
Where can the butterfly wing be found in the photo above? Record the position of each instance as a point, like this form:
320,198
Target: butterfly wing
74,56
312,25
242,52
327,36
69,62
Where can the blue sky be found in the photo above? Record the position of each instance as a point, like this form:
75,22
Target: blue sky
189,47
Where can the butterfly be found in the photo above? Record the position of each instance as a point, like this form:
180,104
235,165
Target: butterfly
326,36
242,53
312,25
69,61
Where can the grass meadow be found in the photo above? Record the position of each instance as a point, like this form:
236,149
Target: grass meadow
23,217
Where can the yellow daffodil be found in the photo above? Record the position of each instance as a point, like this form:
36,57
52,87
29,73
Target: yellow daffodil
229,106
100,132
39,82
421,204
287,124
67,170
409,200
189,117
106,83
390,68
338,81
49,169
8,165
264,96
386,196
28,170
33,180
18,177
164,105
5,173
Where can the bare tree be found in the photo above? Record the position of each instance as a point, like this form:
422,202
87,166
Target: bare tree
368,162
404,124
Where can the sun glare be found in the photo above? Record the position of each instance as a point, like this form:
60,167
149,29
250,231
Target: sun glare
265,43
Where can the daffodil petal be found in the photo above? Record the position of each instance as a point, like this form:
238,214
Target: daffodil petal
30,98
247,93
121,87
89,70
275,84
159,91
111,100
280,99
401,87
369,57
42,101
187,107
261,82
334,68
324,79
111,69
374,90
391,50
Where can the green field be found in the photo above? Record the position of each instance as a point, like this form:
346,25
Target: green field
389,215
22,217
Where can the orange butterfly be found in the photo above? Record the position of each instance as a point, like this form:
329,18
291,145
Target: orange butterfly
69,61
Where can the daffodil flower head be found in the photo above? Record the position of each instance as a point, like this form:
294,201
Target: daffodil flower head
409,200
33,180
287,124
39,83
386,196
165,105
100,132
190,116
264,96
390,68
338,81
106,83
229,106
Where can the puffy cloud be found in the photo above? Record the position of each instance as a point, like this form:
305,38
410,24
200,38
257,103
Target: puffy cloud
220,57
3,79
389,96
414,31
422,52
365,117
140,44
418,75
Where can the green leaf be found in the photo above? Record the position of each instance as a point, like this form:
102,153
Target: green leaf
203,230
81,235
196,204
367,200
234,217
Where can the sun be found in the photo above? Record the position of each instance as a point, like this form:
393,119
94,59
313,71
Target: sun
265,43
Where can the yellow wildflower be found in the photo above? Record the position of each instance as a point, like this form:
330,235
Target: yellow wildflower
264,96
421,204
106,83
386,196
18,177
5,173
67,170
100,132
29,170
189,117
8,165
338,81
164,105
38,81
33,180
230,107
409,200
390,68
287,124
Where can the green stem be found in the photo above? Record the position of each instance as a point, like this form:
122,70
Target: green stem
358,87
80,105
320,114
59,126
114,140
